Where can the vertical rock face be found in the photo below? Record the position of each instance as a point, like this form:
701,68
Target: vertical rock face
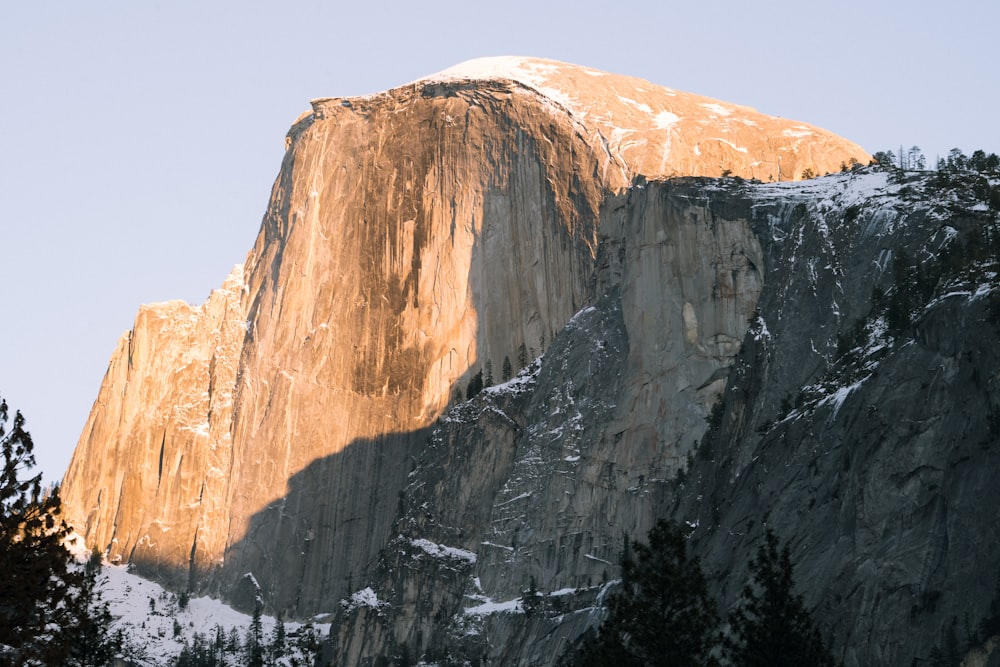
415,239
156,451
390,270
552,469
862,419
859,420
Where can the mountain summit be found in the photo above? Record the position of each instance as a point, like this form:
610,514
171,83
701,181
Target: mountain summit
413,238
482,330
640,128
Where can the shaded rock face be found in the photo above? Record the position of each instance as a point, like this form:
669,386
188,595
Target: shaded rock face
862,419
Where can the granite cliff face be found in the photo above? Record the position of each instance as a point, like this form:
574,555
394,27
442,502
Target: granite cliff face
414,238
860,421
157,445
304,436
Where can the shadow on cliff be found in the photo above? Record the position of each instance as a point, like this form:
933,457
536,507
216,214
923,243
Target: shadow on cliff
321,538
305,551
533,217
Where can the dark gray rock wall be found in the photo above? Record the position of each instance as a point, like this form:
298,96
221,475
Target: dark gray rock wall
861,422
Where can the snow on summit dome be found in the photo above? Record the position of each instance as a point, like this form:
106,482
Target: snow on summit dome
660,132
537,73
533,72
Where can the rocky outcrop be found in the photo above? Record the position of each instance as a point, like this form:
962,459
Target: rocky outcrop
579,449
288,439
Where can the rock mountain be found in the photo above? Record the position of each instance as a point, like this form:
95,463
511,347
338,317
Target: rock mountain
305,435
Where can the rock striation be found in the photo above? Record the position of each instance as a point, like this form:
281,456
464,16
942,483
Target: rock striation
304,436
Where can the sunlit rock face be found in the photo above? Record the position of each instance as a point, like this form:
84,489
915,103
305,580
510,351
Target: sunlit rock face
638,128
155,455
415,238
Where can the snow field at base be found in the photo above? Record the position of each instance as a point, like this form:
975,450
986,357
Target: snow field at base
150,625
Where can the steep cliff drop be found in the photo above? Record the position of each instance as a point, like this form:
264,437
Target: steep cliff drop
418,241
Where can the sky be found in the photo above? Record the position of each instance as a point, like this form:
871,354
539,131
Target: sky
139,138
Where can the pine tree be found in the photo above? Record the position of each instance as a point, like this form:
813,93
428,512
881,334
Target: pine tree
771,627
884,159
475,386
957,159
199,652
307,643
219,645
46,598
233,641
993,163
506,371
254,646
952,652
278,648
662,615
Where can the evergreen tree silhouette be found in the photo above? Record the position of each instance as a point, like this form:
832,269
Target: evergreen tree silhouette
278,638
50,612
662,615
506,370
771,627
255,639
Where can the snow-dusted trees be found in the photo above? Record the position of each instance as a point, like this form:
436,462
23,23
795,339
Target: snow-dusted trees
297,648
908,158
979,161
914,159
255,639
885,159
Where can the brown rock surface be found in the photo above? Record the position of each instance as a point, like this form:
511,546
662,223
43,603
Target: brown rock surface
412,237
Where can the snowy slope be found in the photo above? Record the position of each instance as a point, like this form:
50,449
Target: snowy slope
156,628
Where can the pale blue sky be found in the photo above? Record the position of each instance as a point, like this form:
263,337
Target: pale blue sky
139,139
